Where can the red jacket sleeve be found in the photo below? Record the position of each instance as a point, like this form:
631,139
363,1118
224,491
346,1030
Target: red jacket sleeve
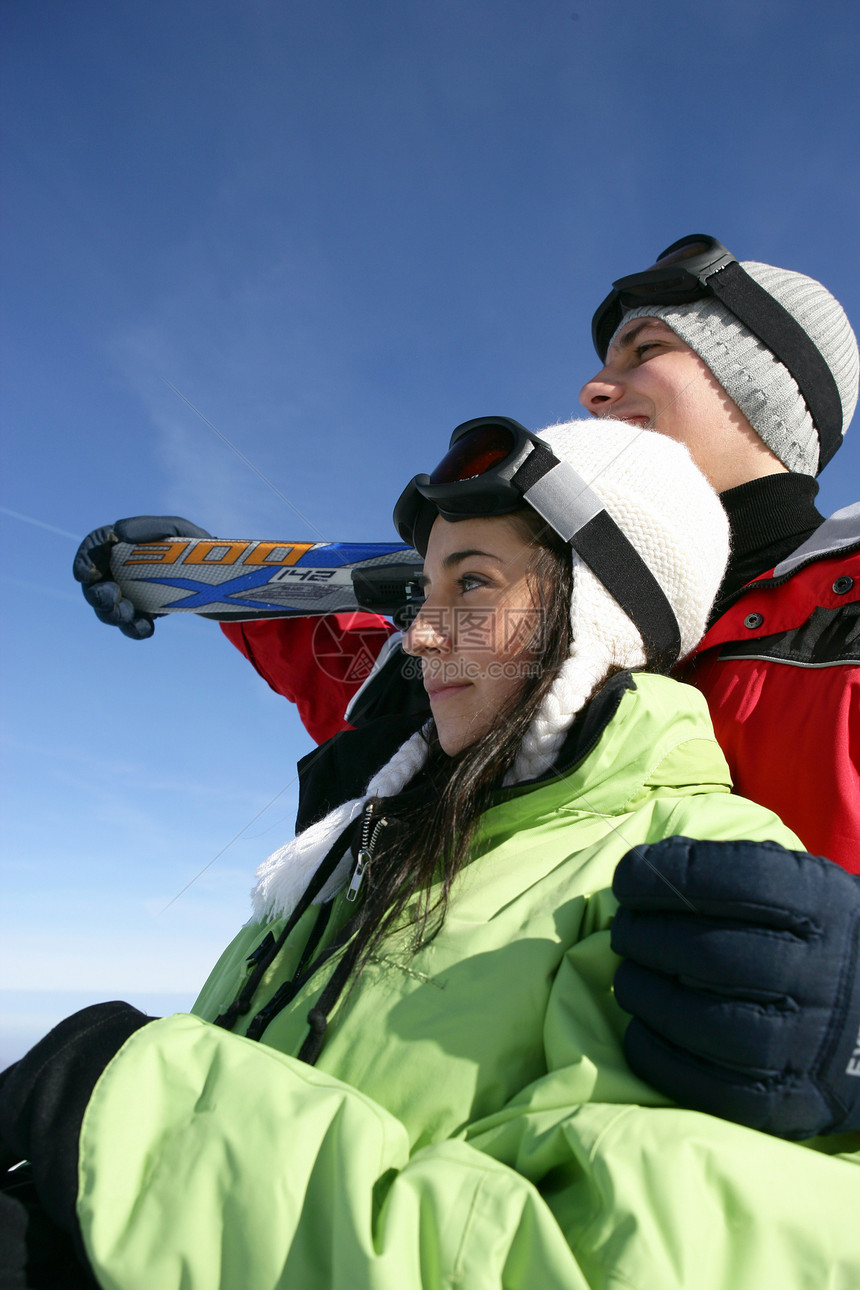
780,672
316,663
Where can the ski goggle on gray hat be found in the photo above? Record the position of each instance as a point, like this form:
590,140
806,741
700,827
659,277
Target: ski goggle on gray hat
777,341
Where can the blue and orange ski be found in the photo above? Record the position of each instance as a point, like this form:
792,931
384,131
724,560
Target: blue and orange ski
231,579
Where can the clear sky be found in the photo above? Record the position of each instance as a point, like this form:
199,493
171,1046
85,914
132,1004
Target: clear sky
338,230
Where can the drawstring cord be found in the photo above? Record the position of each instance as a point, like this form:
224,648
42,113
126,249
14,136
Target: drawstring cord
310,1050
289,989
318,1015
269,948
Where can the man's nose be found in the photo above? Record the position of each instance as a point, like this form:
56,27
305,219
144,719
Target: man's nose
601,392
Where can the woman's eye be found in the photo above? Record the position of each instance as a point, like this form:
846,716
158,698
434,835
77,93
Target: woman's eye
469,581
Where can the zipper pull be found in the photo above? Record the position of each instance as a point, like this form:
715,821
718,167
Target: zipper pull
361,864
365,851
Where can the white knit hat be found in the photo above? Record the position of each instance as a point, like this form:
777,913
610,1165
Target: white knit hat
672,516
754,379
665,506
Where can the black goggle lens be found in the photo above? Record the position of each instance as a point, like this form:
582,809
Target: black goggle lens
474,454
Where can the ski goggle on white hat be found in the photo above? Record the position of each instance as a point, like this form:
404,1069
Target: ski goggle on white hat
495,466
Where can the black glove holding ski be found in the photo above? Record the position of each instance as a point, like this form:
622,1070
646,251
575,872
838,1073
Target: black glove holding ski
92,568
742,972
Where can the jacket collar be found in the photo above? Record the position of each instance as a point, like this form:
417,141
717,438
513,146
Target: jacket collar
768,519
340,768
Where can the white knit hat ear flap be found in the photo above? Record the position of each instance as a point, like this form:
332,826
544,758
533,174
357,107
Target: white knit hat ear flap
284,876
603,638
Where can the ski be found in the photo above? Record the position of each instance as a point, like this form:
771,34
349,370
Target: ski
234,579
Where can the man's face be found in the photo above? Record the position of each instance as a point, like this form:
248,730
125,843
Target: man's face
653,379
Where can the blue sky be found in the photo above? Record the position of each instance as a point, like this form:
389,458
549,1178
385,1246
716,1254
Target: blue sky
338,230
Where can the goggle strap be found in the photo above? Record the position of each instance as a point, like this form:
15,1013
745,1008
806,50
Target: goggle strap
557,492
562,497
616,563
785,338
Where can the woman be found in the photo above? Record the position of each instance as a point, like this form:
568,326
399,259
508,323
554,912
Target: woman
406,1071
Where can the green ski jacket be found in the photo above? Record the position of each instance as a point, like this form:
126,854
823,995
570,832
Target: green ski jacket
471,1121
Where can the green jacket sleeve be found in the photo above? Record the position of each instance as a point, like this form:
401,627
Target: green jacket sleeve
210,1160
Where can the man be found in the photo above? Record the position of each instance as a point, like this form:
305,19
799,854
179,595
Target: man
756,369
779,666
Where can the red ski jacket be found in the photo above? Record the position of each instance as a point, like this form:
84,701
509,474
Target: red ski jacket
780,670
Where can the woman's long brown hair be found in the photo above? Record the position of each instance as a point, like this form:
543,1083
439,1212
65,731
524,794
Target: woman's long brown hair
419,856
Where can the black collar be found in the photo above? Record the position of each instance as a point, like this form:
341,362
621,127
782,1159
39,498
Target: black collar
768,519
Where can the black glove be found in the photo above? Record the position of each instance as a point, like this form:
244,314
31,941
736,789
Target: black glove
43,1098
742,972
92,568
35,1254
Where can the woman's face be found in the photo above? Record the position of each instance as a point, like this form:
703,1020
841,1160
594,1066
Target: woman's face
479,627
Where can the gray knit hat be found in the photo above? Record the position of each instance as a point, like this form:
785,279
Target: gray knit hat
763,389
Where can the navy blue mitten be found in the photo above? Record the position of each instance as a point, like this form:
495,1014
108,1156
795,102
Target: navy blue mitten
92,568
742,972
